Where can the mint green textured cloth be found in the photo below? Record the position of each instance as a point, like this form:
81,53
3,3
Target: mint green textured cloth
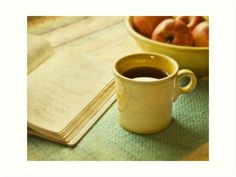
108,141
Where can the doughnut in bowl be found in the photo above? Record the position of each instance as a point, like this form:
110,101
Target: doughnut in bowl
195,58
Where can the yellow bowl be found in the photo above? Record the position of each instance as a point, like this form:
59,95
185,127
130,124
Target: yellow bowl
193,58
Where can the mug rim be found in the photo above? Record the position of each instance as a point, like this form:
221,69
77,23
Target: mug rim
115,71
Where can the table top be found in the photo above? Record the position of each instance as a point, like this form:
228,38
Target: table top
106,37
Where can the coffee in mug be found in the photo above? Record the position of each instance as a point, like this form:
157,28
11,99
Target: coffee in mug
145,72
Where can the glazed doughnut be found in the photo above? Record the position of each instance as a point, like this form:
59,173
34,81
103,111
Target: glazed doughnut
191,21
146,24
173,32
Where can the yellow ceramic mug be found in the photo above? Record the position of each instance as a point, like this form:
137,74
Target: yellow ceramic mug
145,102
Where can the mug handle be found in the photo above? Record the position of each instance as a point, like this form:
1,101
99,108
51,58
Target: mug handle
185,89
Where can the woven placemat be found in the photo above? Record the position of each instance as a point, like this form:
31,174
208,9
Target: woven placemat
108,141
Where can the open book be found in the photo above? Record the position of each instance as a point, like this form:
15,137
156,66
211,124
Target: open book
67,93
70,79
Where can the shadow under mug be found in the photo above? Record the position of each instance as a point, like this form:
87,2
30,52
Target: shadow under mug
145,106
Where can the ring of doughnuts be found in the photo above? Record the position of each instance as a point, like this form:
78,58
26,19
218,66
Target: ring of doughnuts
173,32
191,21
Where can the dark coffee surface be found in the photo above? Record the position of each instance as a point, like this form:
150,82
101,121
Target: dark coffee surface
145,72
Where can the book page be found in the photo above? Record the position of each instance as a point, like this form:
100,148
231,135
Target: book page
38,50
60,89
